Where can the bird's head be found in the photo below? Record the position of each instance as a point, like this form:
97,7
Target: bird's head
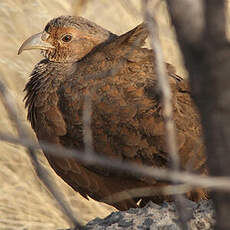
67,39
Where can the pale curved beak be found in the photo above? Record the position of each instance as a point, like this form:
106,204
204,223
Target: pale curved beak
35,42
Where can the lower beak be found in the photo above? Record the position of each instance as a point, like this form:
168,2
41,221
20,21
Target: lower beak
35,42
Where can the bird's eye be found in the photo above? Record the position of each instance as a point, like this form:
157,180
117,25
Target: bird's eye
67,38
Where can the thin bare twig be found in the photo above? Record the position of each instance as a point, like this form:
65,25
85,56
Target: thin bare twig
166,94
43,174
149,191
163,84
214,183
87,131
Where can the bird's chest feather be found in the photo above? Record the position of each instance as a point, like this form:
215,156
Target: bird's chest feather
42,102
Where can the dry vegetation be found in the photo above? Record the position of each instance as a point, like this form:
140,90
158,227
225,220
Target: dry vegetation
24,202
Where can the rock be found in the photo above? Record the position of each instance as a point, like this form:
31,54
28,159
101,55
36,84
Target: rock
200,216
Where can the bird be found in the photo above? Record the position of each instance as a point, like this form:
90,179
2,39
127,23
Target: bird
117,75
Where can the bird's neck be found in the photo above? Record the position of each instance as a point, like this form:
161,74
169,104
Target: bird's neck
45,79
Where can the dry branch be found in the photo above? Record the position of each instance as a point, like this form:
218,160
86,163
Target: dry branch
166,100
211,182
200,27
163,85
41,171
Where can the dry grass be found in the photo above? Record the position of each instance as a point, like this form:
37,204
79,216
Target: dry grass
24,202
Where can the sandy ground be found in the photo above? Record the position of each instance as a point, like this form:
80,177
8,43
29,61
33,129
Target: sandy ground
24,202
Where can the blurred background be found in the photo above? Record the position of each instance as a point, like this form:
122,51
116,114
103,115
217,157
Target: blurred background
24,202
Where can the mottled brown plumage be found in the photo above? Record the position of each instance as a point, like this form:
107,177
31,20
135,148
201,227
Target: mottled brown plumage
83,59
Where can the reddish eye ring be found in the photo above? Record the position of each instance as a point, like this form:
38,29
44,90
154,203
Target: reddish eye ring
67,38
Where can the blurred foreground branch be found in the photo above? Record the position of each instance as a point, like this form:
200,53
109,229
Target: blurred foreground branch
200,27
43,174
217,183
164,87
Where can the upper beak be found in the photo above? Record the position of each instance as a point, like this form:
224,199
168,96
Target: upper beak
35,42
